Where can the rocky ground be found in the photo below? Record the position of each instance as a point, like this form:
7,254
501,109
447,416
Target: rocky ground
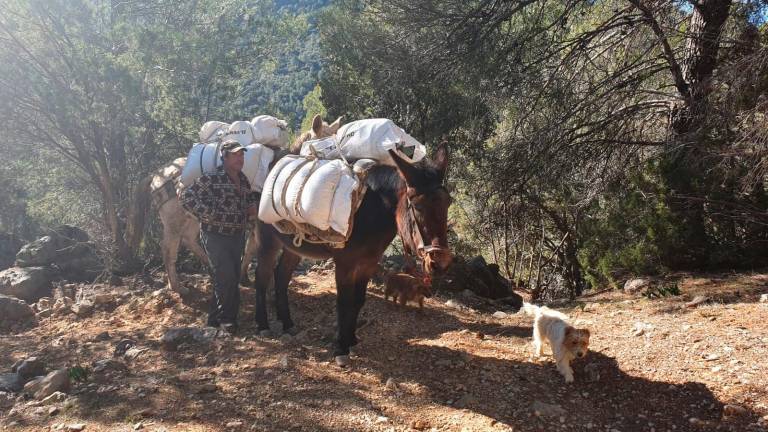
655,365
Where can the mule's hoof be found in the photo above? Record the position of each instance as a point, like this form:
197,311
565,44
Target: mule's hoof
342,361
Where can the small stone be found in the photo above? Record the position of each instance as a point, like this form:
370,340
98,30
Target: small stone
76,427
499,315
593,372
734,410
52,411
453,304
639,329
697,301
382,419
547,410
102,337
138,426
101,299
207,388
283,362
711,357
763,298
83,309
234,424
56,397
464,401
390,384
419,425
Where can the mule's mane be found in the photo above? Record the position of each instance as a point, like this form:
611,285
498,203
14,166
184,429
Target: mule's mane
301,139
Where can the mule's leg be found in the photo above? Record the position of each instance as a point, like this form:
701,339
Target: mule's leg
345,312
190,239
283,273
170,247
250,250
266,257
351,285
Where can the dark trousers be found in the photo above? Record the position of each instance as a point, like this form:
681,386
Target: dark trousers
224,256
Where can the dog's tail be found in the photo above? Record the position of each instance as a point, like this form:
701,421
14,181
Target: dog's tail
530,309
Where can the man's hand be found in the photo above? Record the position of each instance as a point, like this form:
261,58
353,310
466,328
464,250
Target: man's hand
252,211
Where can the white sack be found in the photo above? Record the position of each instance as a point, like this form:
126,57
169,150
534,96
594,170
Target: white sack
315,192
256,165
370,139
271,206
206,159
242,132
324,148
202,159
270,131
213,131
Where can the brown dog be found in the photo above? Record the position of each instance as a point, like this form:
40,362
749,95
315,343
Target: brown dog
405,288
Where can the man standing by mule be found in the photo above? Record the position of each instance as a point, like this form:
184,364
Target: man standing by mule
222,202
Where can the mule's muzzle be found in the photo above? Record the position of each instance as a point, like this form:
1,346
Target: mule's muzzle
436,259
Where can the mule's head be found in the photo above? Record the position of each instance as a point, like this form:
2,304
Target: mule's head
423,209
320,129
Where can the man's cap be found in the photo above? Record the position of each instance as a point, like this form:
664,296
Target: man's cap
231,146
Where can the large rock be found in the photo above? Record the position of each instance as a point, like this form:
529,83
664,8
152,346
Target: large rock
634,286
190,335
11,382
29,368
28,284
43,387
13,310
479,277
68,249
9,246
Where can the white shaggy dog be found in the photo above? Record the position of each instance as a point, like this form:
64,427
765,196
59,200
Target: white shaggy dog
567,342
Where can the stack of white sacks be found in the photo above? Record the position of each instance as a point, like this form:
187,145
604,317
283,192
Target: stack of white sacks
261,136
315,194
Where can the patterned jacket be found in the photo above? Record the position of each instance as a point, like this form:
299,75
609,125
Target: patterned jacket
214,200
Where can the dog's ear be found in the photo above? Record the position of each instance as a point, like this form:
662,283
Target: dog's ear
569,331
585,333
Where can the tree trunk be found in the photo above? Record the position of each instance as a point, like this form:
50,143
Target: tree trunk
683,168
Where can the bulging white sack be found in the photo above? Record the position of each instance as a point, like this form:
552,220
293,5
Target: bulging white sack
202,159
273,189
205,159
316,192
256,165
369,139
242,132
270,131
212,131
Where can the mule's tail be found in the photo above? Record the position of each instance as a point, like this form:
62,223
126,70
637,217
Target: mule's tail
529,309
137,214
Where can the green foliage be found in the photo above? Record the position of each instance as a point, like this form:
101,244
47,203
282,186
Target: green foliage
79,373
313,105
660,291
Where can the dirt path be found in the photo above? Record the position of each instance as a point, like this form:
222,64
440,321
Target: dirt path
654,366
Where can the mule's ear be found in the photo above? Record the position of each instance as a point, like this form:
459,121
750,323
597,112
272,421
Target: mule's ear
441,157
317,124
335,125
407,171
